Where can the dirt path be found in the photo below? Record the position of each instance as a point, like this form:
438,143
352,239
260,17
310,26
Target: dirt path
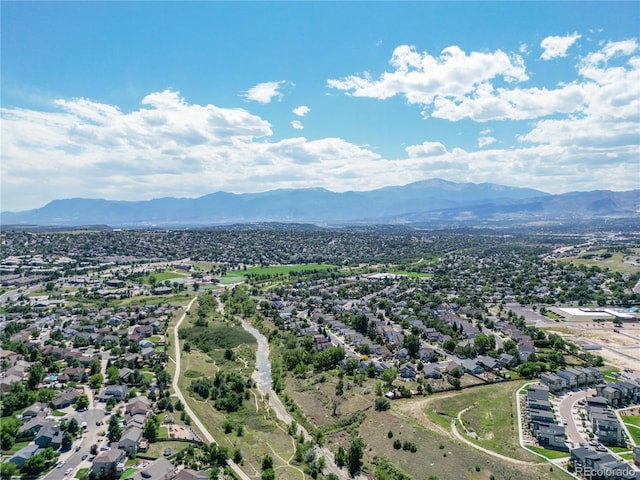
461,437
187,409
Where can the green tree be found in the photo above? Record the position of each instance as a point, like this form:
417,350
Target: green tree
388,375
412,344
8,432
82,402
72,426
36,374
482,343
151,428
95,381
382,404
115,431
356,451
67,441
267,462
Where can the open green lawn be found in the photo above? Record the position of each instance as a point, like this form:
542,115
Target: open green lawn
614,263
286,269
157,449
493,418
16,446
231,279
631,420
160,277
128,472
551,454
82,473
634,431
438,454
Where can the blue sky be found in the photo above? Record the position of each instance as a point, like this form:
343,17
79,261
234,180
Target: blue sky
134,101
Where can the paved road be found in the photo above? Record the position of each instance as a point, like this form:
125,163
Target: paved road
565,408
187,409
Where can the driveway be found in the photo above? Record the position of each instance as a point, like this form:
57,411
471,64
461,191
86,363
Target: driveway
568,409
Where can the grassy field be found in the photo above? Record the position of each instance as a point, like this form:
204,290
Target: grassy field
261,432
287,269
230,279
157,449
614,263
634,430
631,420
608,373
493,418
438,453
160,277
82,473
551,454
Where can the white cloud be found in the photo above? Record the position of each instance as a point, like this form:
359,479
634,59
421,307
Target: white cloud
423,78
426,149
485,141
580,135
297,124
265,92
301,111
555,46
165,148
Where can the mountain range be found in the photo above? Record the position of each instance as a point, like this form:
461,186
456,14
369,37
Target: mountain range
427,202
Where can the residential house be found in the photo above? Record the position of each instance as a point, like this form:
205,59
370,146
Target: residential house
408,371
507,360
130,440
553,381
538,392
470,365
594,466
189,474
24,454
119,392
49,436
109,463
7,383
431,370
138,405
607,428
66,398
33,425
552,437
34,410
488,362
